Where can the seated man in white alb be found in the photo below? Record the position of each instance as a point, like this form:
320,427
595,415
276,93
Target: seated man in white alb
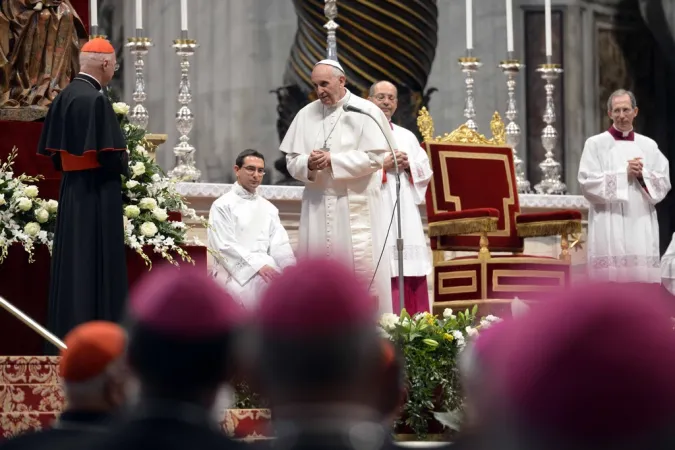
245,231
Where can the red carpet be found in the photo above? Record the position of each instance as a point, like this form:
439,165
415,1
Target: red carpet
32,398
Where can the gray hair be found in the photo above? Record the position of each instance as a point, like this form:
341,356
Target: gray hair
337,72
371,92
93,388
619,93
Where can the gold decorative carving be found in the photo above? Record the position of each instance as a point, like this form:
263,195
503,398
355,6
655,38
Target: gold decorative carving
463,134
152,141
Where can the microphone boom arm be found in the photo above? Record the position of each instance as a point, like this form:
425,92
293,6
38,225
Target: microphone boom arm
399,241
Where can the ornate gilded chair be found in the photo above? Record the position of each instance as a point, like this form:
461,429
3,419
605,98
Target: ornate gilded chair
472,205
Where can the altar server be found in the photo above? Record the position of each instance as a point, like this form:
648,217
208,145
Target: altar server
623,174
414,163
337,155
95,376
245,230
82,136
182,329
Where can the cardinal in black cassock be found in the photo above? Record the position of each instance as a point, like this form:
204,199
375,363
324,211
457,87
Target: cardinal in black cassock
82,136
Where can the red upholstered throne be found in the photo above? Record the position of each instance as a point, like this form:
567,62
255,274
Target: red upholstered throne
472,205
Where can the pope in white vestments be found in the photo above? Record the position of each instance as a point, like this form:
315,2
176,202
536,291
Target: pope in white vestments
337,155
414,163
245,230
623,174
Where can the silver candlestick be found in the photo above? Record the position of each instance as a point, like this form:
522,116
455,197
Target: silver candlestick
470,65
330,11
511,67
139,46
185,169
550,183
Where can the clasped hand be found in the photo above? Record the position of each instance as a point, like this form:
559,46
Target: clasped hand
635,167
401,160
318,160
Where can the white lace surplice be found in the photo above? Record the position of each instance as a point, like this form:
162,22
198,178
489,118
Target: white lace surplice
416,253
623,232
246,232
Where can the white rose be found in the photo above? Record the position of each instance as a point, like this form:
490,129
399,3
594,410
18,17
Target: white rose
120,108
24,204
52,206
2,199
155,178
132,184
30,191
31,229
470,331
141,150
160,214
42,215
149,229
148,203
138,169
131,211
388,321
447,313
459,338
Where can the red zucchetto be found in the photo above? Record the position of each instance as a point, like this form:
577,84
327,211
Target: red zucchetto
98,45
91,348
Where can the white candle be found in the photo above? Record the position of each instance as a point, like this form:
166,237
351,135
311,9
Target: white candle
183,15
93,13
509,25
139,14
469,25
547,19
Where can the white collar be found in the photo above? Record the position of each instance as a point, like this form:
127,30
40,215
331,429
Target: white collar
91,76
345,99
243,193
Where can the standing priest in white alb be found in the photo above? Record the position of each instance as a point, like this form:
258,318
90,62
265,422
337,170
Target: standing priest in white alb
413,160
337,155
623,175
245,231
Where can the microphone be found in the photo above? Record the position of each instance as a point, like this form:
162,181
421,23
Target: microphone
397,209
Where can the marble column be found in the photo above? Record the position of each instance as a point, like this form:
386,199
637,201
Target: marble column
243,50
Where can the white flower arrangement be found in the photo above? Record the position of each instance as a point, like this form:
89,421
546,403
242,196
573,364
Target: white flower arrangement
149,197
25,218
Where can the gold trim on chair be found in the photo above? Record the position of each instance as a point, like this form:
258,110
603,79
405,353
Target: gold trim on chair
463,226
463,134
548,228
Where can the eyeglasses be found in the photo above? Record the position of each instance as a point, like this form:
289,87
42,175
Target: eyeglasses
117,67
251,170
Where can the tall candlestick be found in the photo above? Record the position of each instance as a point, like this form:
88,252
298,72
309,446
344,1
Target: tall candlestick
509,26
139,14
93,13
469,25
183,15
547,19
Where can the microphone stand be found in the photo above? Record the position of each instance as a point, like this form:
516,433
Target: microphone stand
399,241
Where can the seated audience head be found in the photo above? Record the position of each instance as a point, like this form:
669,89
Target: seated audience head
249,168
316,341
93,367
183,328
385,95
592,368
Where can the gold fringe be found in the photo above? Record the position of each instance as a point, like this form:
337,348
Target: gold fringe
549,228
463,226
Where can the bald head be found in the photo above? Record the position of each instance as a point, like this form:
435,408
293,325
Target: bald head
99,65
385,95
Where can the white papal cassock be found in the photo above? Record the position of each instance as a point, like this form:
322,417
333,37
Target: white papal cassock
342,210
245,230
623,232
416,252
668,267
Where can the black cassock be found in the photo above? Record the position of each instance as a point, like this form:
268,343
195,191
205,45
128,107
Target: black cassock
82,136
